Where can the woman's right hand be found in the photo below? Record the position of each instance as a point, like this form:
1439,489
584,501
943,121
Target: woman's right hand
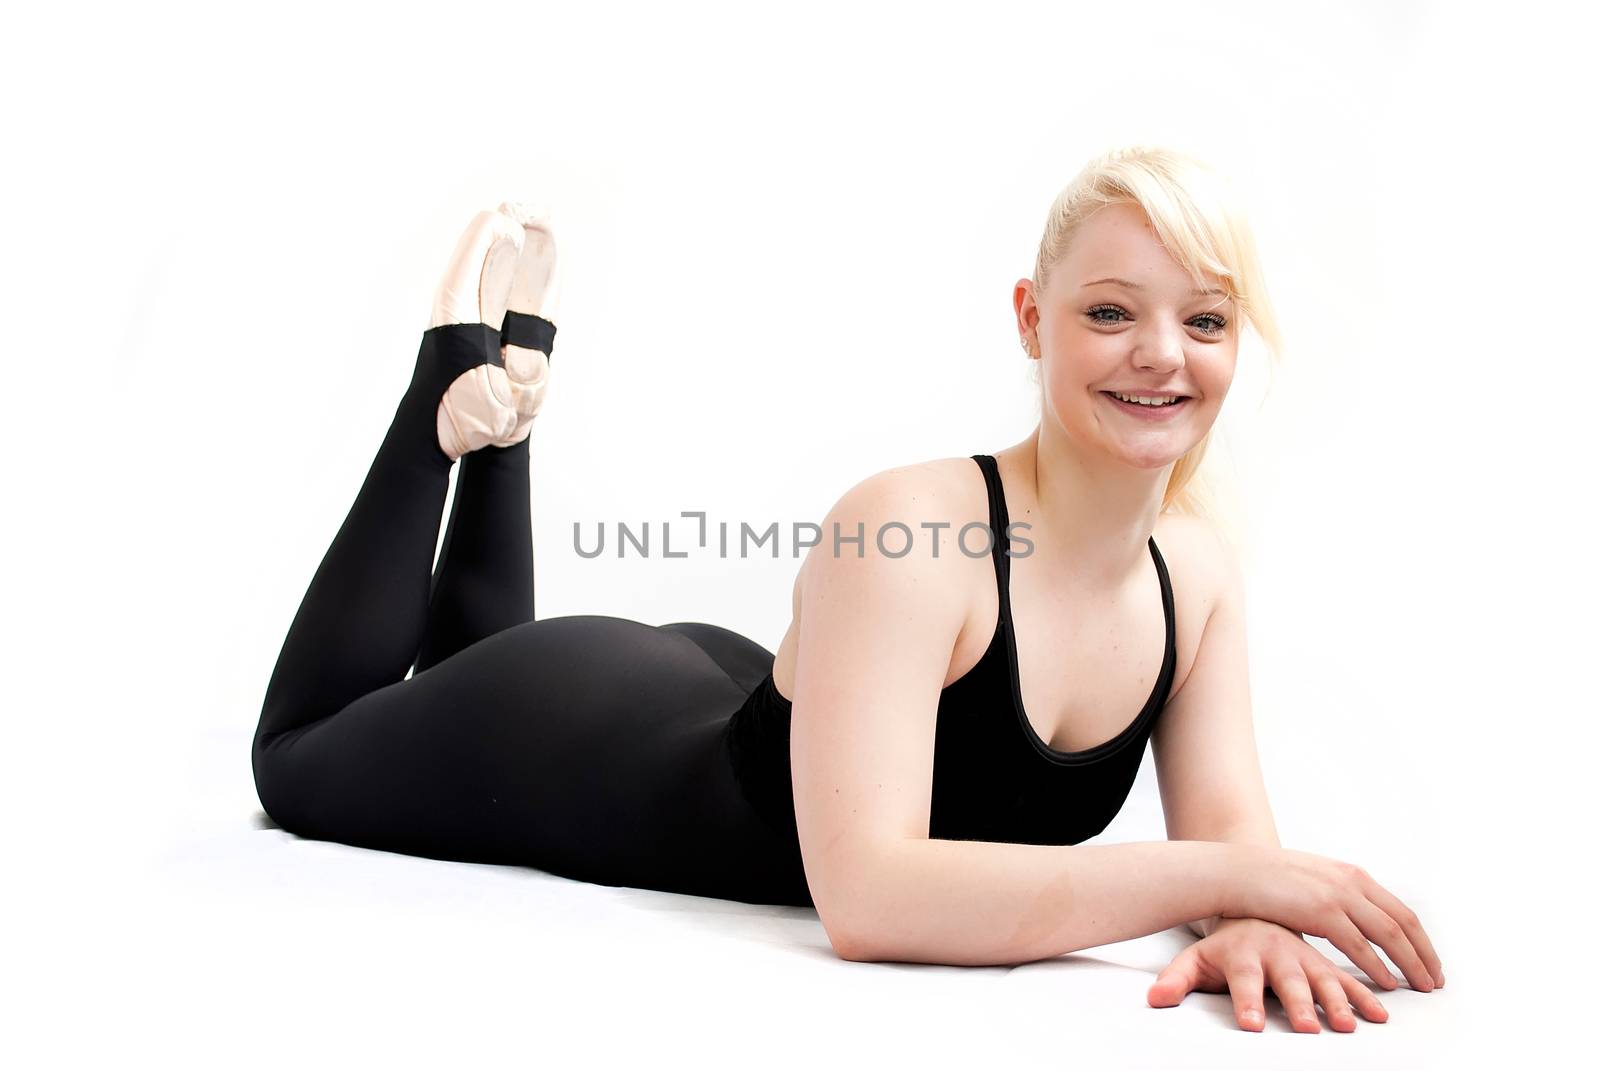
1339,901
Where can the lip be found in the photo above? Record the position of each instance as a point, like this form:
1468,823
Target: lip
1154,414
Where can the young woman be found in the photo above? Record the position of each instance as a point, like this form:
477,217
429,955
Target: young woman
948,716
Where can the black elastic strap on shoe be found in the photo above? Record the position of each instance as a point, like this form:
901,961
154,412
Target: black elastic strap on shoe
528,331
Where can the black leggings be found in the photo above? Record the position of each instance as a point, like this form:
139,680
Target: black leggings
588,746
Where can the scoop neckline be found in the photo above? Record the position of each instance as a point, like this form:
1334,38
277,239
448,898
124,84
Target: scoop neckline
1002,563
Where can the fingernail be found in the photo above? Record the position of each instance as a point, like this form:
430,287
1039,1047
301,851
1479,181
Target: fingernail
1252,1016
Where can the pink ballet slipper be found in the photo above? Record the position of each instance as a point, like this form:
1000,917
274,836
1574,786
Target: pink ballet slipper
528,332
480,407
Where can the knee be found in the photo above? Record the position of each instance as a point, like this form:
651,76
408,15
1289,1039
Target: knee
273,783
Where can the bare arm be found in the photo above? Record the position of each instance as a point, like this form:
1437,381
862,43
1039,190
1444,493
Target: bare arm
1204,742
1212,790
975,903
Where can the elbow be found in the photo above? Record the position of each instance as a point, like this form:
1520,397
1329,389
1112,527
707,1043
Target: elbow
855,946
853,907
847,935
846,947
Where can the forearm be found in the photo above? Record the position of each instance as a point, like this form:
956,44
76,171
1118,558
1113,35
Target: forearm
971,903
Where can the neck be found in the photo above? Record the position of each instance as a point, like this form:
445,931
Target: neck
1091,515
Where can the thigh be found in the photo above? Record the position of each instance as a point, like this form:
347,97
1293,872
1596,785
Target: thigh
588,746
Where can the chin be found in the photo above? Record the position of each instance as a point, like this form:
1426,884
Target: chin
1148,449
1148,458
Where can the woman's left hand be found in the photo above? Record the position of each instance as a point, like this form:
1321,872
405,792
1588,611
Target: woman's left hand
1242,954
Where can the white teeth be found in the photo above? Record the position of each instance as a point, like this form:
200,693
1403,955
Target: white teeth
1146,399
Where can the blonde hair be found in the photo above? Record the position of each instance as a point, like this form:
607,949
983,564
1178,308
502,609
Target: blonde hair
1195,215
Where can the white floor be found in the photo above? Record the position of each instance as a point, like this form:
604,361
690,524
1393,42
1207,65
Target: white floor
237,944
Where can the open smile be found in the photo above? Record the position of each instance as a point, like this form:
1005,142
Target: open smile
1149,406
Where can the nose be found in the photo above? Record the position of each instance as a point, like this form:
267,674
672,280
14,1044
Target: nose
1159,348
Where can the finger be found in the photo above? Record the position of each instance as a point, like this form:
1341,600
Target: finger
1294,993
1382,928
1362,998
1249,1002
1331,995
1175,982
1349,940
1412,926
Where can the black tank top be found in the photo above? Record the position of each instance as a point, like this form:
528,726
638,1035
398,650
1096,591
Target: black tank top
994,779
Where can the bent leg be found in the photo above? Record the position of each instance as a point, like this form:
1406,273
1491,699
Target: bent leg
591,747
361,620
484,581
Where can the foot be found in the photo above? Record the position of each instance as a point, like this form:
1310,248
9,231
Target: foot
480,406
536,293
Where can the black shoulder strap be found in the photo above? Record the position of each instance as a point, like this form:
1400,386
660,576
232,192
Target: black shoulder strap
1170,660
999,519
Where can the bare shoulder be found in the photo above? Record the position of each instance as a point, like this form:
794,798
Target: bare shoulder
860,547
940,481
1200,557
1205,570
920,496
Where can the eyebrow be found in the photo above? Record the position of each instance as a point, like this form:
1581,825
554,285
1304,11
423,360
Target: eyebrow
1137,286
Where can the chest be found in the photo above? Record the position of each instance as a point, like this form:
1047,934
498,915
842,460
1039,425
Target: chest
1086,664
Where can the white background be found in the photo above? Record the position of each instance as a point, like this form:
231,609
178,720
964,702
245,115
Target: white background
789,238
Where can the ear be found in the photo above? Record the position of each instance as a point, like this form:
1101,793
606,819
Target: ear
1027,311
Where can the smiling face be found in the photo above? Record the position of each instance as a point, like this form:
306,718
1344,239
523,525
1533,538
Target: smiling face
1149,337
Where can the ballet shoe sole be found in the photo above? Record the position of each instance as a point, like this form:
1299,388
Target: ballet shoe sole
535,291
480,407
476,285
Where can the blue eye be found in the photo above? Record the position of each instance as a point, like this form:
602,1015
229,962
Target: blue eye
1104,308
1209,323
